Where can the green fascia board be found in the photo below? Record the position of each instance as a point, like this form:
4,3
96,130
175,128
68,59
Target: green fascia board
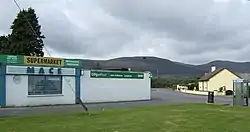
19,60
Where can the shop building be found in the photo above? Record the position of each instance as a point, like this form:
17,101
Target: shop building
33,81
30,81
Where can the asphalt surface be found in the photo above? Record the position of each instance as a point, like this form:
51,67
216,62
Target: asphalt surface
159,96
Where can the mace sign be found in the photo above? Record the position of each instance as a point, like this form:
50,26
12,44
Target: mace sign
30,70
42,70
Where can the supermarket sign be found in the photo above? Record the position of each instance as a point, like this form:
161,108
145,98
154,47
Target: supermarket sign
39,61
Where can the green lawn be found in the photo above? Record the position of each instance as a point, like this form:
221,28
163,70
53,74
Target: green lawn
175,118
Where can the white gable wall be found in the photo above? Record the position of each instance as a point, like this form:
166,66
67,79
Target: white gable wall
114,89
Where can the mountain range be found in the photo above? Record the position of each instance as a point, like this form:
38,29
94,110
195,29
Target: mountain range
165,67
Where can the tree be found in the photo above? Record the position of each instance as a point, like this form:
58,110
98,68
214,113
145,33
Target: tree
4,42
98,66
171,82
25,40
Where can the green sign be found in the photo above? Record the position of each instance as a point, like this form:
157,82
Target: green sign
71,62
150,75
123,75
26,60
11,59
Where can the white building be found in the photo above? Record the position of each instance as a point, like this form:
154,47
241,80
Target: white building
107,86
33,81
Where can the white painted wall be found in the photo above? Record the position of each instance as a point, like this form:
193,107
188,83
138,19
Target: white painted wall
111,89
17,94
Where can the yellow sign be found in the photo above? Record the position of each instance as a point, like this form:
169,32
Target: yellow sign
47,61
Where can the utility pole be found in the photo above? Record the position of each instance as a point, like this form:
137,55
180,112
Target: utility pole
157,73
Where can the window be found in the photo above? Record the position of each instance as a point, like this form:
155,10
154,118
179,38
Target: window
42,85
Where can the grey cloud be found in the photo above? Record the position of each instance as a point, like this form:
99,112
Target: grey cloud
100,37
201,27
7,13
193,31
180,19
61,22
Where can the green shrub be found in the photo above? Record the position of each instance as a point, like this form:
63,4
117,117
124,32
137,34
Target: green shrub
229,92
221,89
173,82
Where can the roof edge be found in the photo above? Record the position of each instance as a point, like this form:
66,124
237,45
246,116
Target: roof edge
218,73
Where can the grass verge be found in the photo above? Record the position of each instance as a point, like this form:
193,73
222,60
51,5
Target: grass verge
172,118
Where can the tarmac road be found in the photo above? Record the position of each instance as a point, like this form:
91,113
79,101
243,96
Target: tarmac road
159,96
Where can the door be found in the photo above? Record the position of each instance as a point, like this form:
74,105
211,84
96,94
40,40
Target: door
238,99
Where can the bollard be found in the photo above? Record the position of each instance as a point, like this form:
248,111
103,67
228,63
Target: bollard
246,101
210,97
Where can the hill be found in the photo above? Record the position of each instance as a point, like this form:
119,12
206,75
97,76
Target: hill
155,65
164,67
243,67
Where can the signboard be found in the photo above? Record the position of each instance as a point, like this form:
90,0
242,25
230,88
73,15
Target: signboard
39,61
46,61
11,59
71,62
39,70
122,75
238,80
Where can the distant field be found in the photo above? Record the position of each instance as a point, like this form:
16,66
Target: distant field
174,118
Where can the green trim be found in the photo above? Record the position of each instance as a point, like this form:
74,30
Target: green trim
11,59
78,85
72,62
2,85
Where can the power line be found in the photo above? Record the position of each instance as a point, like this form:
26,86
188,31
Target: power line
34,32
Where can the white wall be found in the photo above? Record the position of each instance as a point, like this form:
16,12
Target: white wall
112,89
17,94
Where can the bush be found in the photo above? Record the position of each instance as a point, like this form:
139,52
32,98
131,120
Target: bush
173,82
221,89
190,87
229,92
161,83
193,86
174,88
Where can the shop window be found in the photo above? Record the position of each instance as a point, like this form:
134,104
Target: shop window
42,85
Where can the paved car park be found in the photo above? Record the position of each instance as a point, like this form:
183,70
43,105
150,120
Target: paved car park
159,96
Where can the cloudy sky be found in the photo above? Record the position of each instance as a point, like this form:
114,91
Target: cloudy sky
190,31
